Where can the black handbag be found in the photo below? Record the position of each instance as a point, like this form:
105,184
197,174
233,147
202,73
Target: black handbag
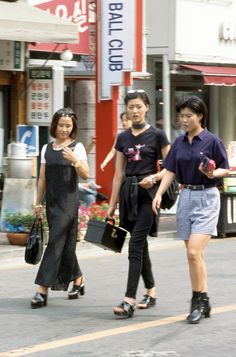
34,245
105,235
170,196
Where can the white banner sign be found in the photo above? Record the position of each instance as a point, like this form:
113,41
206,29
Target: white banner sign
12,55
117,21
40,95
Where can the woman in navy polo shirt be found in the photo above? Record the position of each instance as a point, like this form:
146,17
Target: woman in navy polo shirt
199,201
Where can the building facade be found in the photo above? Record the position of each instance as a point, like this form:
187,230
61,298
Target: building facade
191,46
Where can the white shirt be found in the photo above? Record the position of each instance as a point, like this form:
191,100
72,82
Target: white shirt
79,152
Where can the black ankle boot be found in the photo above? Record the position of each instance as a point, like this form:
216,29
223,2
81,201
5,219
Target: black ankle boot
196,310
206,306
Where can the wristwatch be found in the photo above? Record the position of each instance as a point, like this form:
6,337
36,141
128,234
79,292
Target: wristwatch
154,180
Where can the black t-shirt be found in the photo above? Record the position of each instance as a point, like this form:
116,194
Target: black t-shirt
142,151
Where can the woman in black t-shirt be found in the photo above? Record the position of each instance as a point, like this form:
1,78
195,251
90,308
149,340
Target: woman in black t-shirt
135,181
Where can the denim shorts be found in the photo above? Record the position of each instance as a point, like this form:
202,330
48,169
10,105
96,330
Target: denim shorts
197,212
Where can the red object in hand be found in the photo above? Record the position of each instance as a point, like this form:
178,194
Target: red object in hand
208,165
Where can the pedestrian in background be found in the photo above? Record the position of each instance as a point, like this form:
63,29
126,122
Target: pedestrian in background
199,202
137,152
126,124
90,145
62,161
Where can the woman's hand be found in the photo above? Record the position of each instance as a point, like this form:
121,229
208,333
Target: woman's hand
110,212
210,174
156,203
68,154
38,211
103,165
146,182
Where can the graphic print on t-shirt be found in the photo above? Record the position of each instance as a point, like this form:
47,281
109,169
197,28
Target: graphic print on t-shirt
134,154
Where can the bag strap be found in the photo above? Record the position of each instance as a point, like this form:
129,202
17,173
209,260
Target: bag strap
110,219
37,224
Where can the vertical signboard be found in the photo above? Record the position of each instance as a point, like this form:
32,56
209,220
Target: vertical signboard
12,55
116,41
40,93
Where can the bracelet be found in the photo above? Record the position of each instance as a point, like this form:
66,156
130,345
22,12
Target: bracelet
154,180
38,206
77,164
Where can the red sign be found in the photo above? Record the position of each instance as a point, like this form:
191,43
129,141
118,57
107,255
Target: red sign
72,10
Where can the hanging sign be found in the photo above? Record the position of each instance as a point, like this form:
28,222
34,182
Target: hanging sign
75,11
11,55
116,41
40,94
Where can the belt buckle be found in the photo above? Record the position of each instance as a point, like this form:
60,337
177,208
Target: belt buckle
191,187
198,187
195,187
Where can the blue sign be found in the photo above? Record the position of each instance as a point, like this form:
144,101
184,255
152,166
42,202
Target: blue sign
29,134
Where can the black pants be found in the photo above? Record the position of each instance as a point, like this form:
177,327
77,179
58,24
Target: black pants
139,260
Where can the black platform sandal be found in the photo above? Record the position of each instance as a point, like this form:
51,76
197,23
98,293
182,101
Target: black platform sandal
127,309
147,302
39,300
76,291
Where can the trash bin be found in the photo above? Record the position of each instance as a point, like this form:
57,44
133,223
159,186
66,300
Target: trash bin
227,218
19,167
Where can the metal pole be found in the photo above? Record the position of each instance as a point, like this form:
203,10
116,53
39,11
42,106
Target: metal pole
166,96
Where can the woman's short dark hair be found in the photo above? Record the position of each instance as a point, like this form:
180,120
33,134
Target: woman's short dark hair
121,115
194,103
134,94
64,112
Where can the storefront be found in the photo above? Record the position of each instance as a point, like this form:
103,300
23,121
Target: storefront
191,46
21,23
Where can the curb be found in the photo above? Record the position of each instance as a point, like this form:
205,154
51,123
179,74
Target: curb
83,248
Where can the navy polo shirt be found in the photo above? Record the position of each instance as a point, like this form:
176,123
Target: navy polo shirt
183,159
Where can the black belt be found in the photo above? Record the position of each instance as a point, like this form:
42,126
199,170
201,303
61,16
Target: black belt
198,187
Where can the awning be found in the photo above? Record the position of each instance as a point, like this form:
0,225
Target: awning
20,21
213,75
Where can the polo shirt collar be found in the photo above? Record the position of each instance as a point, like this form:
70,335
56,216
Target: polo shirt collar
201,136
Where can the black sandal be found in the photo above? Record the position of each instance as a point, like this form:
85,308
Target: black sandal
148,301
127,309
39,300
77,290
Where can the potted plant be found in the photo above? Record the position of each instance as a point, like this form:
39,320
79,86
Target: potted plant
83,220
17,226
97,212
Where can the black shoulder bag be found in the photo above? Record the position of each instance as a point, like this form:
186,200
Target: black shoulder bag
170,196
34,245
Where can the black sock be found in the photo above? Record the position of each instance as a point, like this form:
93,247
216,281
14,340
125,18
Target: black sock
196,294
